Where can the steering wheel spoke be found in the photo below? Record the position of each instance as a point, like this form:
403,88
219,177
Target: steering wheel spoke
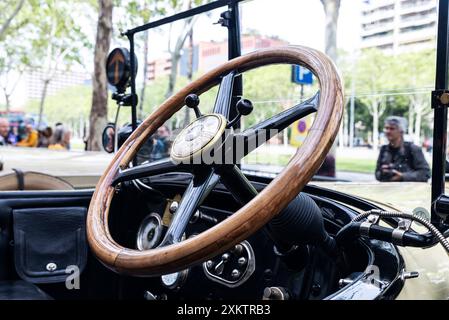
255,136
198,189
148,169
237,184
223,101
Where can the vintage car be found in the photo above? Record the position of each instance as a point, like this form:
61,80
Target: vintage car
194,226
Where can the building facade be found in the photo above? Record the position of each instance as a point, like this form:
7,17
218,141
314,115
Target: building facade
207,55
397,26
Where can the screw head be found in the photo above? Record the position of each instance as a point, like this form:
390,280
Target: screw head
209,264
241,261
444,98
51,266
235,274
173,207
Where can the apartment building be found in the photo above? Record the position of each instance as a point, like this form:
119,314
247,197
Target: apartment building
399,25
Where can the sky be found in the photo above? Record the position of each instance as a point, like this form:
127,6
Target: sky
297,21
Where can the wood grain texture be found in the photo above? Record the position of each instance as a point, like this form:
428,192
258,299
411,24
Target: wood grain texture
254,214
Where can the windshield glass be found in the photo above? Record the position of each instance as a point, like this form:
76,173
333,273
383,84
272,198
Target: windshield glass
386,57
384,51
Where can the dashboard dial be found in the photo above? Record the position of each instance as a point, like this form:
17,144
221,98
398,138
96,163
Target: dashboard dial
150,232
174,280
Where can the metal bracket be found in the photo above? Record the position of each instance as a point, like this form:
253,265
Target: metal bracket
440,99
366,225
398,234
225,18
125,100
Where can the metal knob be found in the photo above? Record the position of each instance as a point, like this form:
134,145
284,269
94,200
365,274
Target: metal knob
244,107
238,249
225,257
192,101
275,293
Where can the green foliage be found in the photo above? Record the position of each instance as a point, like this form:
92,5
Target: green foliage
58,34
137,12
71,104
392,82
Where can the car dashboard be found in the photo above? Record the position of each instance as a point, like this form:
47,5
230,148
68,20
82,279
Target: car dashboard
252,269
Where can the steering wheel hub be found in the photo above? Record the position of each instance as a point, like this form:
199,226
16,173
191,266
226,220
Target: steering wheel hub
198,138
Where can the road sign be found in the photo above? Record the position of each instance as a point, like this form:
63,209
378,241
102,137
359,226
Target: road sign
118,68
301,75
300,129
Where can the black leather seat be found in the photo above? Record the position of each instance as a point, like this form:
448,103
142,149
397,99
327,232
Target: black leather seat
21,290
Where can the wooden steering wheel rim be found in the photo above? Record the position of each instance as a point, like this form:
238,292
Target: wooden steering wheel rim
254,214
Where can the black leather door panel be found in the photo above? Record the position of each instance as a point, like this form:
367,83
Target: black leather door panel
14,200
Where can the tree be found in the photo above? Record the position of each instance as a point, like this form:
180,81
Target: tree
138,12
99,109
13,61
419,76
58,43
6,17
375,73
175,52
15,16
331,11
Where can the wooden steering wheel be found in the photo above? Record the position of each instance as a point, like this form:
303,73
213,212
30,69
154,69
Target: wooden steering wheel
173,254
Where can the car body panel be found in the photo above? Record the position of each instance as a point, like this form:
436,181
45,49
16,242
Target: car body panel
80,168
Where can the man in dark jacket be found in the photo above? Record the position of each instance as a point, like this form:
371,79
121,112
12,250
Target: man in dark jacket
400,160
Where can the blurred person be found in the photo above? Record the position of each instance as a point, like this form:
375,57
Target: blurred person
4,132
60,139
400,160
31,139
44,137
327,169
161,143
13,136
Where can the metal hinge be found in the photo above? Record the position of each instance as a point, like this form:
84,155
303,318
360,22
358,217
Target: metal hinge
440,99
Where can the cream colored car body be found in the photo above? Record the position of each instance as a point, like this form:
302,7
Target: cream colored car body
83,169
431,263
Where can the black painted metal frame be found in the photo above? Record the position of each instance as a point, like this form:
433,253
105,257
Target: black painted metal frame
230,19
440,202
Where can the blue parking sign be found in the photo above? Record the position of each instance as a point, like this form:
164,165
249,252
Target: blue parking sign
301,75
